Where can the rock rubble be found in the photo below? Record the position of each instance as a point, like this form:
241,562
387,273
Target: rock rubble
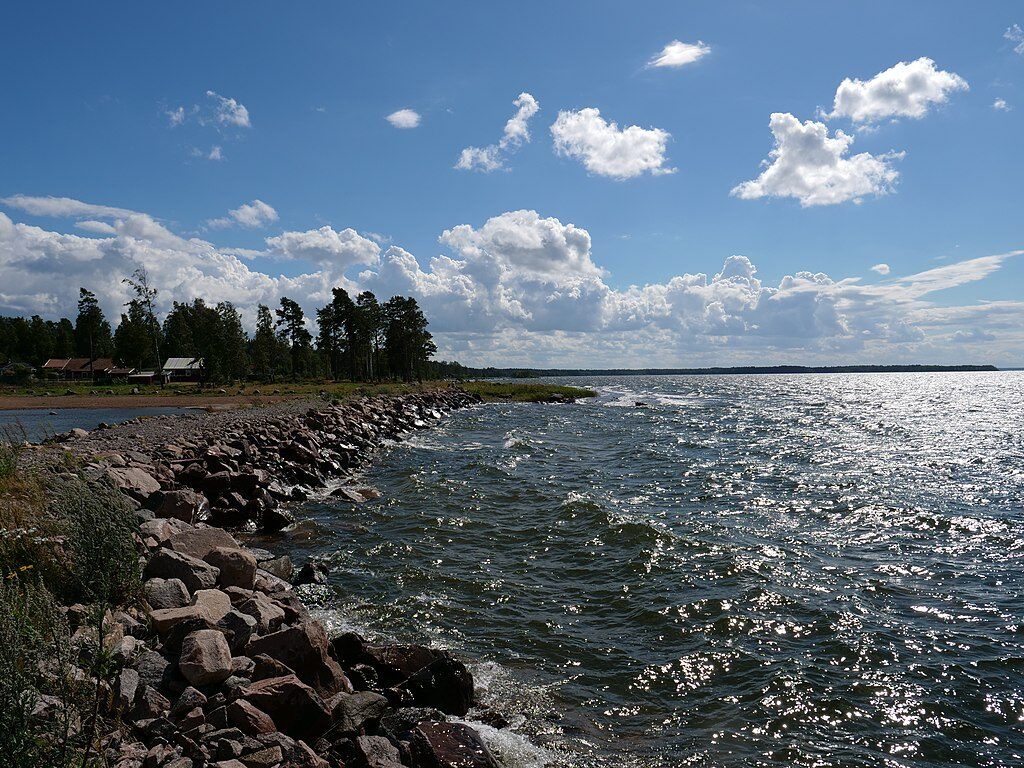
224,666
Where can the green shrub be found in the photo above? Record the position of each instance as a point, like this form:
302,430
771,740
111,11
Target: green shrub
102,561
35,664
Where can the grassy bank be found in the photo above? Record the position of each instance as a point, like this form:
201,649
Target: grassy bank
87,395
67,560
492,391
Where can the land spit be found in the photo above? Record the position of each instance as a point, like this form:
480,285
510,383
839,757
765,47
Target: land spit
222,663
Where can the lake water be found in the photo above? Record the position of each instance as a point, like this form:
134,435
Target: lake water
38,424
813,570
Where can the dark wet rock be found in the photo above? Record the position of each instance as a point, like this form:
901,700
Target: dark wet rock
310,573
449,745
304,649
402,721
294,706
238,627
279,566
274,520
445,684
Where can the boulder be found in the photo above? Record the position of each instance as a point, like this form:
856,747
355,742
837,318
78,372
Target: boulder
268,615
237,567
188,700
433,677
199,542
279,566
445,684
354,712
150,704
377,752
161,530
126,686
296,708
183,504
205,658
134,481
248,719
449,745
239,628
195,573
208,606
304,649
270,757
162,594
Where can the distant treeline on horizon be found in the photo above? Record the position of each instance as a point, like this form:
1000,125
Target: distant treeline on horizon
517,373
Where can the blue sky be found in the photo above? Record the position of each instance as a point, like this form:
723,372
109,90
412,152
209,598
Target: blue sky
300,96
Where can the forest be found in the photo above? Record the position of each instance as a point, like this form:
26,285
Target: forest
358,339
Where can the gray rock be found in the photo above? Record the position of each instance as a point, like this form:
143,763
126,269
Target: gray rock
166,593
378,752
126,686
195,573
239,628
184,504
352,712
199,542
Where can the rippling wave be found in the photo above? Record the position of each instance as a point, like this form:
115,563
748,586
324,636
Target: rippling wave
713,571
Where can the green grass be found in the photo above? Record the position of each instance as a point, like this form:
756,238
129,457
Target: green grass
522,392
63,391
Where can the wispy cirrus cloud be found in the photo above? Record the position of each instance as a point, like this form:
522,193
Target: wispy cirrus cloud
250,215
515,134
678,54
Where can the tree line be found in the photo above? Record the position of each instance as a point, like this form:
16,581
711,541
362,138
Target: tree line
361,338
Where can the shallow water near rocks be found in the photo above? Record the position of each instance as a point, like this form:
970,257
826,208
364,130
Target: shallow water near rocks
814,570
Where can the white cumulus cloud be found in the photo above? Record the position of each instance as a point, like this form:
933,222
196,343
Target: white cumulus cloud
908,89
516,133
522,288
251,215
326,247
1001,105
679,54
404,118
607,150
816,169
882,269
229,111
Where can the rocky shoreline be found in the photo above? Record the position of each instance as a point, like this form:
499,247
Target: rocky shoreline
223,665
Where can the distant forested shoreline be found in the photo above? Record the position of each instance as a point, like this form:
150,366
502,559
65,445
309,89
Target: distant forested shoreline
516,373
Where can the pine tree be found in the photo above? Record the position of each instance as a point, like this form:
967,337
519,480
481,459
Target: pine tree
92,331
292,322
